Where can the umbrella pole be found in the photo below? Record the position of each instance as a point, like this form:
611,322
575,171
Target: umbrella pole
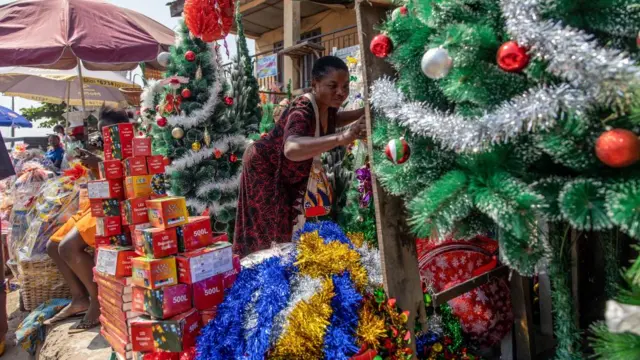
13,129
84,118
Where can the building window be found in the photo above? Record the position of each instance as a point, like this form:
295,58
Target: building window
307,61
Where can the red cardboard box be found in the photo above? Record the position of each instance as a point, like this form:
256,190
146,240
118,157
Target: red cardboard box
108,226
115,261
110,170
104,207
155,164
123,239
168,212
141,146
136,231
196,234
176,334
124,281
154,273
118,141
105,189
157,243
135,165
157,356
207,316
134,211
162,303
208,293
204,263
137,186
231,275
119,345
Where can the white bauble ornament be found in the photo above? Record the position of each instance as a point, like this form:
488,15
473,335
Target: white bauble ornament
163,58
436,63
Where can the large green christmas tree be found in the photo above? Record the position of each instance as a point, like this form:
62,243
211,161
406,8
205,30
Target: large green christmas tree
521,117
194,129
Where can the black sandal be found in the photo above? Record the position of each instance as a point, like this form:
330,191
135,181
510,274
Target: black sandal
83,326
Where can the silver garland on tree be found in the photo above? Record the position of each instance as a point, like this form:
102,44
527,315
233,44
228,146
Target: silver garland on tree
593,74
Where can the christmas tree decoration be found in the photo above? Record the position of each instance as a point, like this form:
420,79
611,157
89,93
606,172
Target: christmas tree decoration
398,151
177,133
209,20
196,146
199,73
185,93
166,161
618,148
207,137
217,153
400,11
228,100
190,56
233,158
381,46
163,58
512,57
436,63
161,121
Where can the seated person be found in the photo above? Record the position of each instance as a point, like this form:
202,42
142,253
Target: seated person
67,246
56,151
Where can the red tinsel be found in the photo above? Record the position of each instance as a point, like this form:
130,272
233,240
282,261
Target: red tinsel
76,172
209,20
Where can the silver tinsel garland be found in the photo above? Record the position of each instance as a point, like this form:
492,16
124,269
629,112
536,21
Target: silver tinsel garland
594,75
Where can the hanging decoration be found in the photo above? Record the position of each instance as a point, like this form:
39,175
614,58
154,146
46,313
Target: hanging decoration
398,151
618,148
233,158
436,63
196,146
207,137
185,93
512,57
381,46
161,121
217,153
190,56
364,186
209,20
177,133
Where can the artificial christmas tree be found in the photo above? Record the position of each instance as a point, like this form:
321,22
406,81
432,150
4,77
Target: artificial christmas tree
200,140
245,109
502,104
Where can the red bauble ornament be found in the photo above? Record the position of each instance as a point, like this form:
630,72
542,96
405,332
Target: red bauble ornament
205,21
403,10
162,122
233,158
190,56
186,93
166,161
228,100
512,57
217,153
618,148
168,107
381,46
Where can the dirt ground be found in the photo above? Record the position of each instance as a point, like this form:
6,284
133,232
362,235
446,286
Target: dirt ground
58,345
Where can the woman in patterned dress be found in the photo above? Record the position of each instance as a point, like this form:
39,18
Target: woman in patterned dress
276,168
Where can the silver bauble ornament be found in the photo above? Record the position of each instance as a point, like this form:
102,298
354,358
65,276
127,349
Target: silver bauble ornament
177,133
163,58
402,10
436,63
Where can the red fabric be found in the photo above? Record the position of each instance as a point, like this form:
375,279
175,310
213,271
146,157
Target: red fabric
485,312
271,184
52,33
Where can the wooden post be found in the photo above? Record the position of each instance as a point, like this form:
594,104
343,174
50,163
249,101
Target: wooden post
291,37
397,245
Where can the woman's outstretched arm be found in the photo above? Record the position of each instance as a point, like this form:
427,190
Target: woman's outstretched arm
300,148
345,118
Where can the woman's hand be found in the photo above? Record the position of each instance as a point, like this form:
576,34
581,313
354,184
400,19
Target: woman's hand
357,130
88,158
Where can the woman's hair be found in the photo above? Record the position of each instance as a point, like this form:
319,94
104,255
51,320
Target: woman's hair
58,127
110,115
324,65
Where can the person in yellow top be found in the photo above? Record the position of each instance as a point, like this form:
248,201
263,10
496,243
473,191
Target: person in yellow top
67,245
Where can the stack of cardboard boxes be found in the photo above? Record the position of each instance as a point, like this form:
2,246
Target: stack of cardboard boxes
129,176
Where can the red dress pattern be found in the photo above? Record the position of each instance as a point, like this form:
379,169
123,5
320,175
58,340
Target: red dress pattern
271,185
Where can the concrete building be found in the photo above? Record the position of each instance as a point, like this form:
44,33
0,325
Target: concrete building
295,33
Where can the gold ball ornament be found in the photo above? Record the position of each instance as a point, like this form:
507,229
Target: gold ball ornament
437,347
177,133
196,146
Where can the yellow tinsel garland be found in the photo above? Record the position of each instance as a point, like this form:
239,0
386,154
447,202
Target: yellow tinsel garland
304,336
371,328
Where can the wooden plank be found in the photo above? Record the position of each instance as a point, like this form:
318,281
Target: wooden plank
291,37
251,5
452,293
397,245
522,317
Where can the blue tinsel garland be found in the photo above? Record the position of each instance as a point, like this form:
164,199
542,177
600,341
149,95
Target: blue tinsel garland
340,339
328,231
224,338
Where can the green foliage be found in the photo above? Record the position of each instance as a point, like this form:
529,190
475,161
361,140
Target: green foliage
614,346
52,112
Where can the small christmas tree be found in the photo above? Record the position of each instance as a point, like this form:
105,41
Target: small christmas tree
193,129
244,86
